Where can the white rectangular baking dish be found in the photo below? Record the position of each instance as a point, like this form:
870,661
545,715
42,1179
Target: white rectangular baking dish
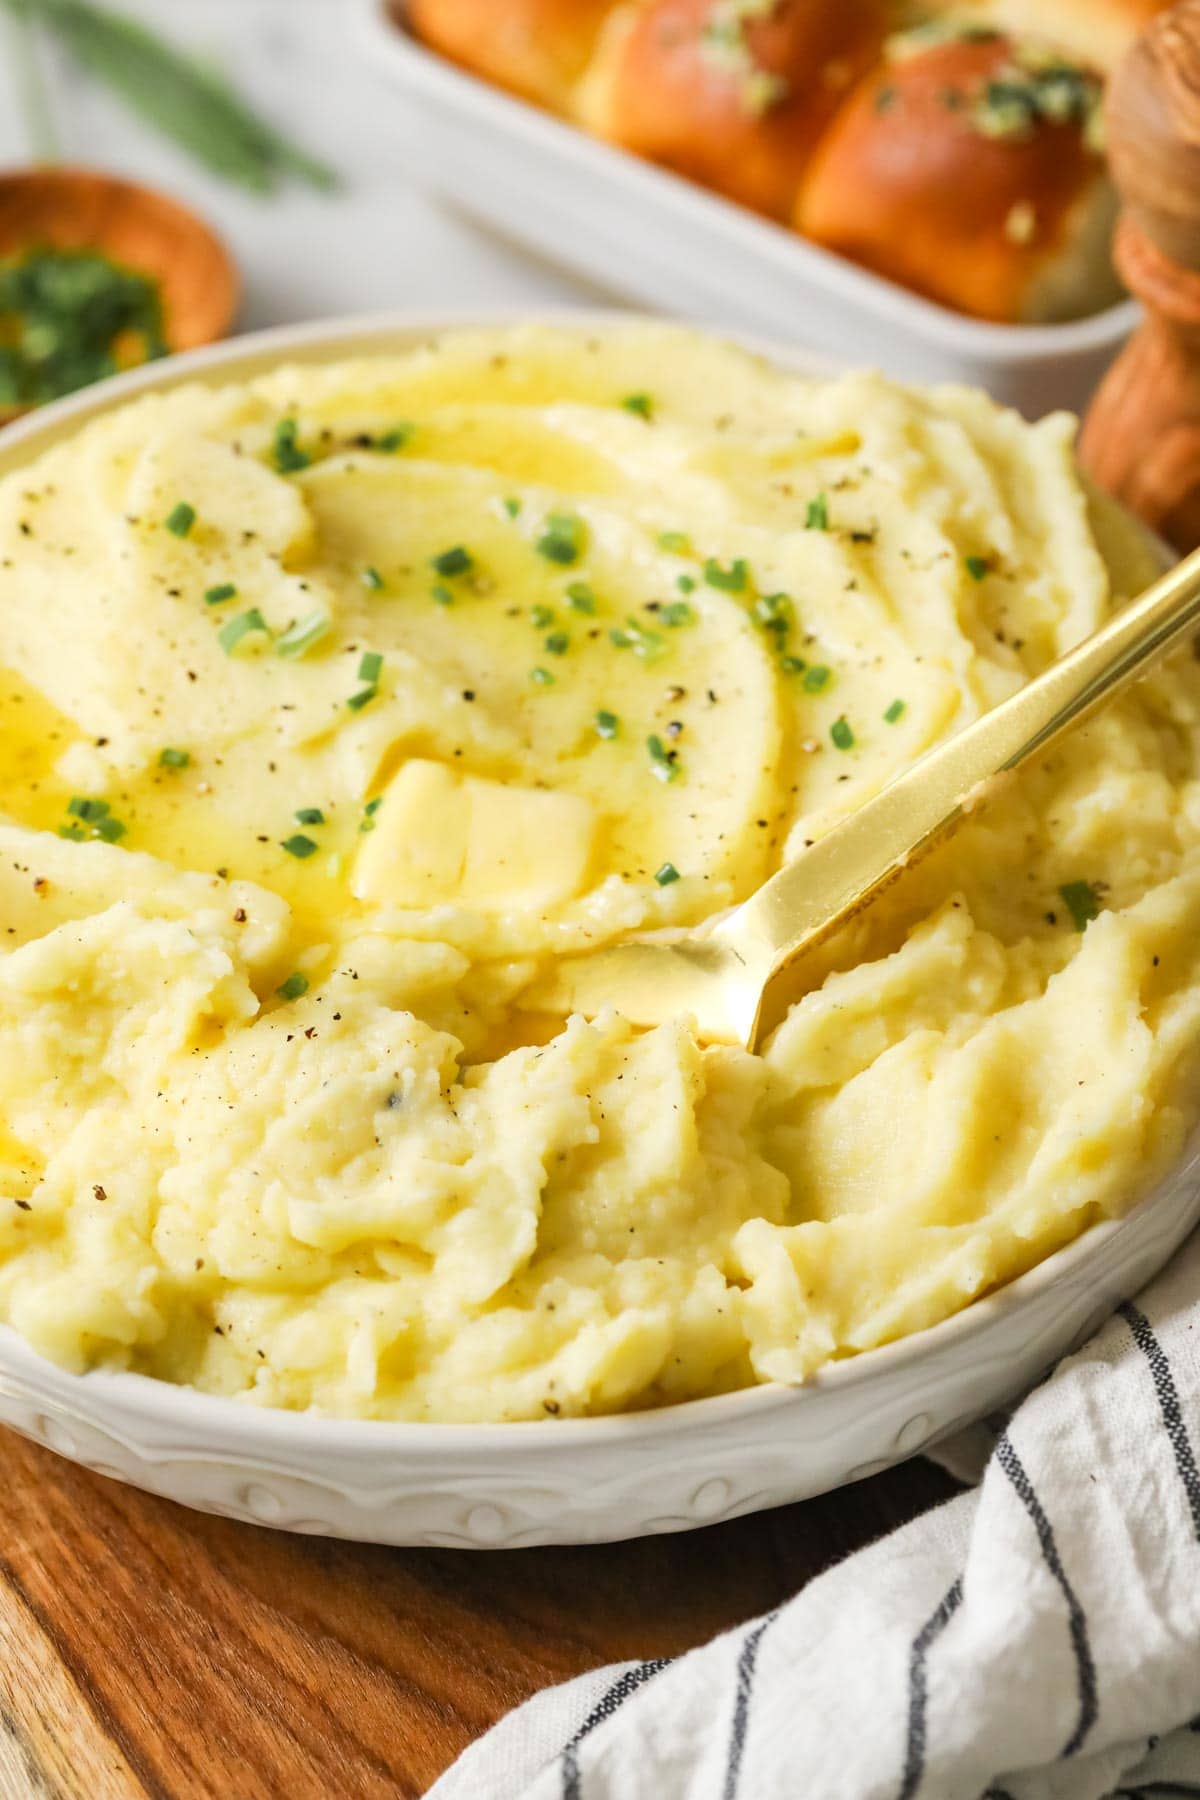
643,233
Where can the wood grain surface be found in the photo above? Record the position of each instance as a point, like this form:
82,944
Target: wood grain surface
1141,437
150,1651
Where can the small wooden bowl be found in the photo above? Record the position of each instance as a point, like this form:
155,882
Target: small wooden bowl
81,209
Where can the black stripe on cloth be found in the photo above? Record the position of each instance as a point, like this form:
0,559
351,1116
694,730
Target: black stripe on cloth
1168,1403
1085,1667
918,1687
1159,1790
741,1705
608,1704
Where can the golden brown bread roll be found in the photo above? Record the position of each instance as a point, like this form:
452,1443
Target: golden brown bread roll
535,48
971,170
733,93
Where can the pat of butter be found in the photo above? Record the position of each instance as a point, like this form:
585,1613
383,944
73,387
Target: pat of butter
440,836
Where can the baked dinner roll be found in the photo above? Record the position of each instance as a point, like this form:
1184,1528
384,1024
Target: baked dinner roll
971,169
535,48
733,93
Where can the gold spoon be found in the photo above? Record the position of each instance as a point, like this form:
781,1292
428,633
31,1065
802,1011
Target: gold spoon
737,978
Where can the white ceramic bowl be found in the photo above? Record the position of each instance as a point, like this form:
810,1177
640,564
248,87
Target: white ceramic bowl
570,1480
643,232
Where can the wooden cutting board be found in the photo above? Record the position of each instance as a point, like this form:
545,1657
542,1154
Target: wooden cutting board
147,1651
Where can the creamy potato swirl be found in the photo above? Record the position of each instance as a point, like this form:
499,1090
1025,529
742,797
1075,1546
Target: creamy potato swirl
337,703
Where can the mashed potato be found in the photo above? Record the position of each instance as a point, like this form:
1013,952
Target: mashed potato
333,706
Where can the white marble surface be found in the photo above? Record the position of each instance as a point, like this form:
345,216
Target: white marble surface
379,241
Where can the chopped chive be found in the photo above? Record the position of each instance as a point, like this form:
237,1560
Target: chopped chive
512,506
300,638
562,539
455,561
580,597
607,724
792,665
441,593
1082,901
293,987
372,578
395,438
816,518
309,815
234,630
557,643
96,814
894,711
842,735
364,697
634,636
224,590
300,846
641,404
541,677
180,519
685,583
367,822
666,875
370,666
816,678
774,612
662,761
677,612
541,616
731,580
174,759
286,452
977,567
677,541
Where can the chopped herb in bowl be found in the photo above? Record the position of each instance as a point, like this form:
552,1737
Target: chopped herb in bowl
71,317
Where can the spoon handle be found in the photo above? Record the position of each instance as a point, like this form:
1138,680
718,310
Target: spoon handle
844,871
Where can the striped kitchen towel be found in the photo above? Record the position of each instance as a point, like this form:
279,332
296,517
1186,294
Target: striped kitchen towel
1036,1638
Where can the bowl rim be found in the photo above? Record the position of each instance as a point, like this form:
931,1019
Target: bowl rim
245,1422
886,301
